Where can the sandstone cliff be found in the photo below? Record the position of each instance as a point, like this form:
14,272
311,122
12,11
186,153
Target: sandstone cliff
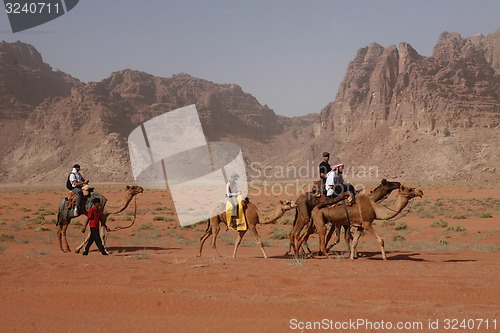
406,115
431,117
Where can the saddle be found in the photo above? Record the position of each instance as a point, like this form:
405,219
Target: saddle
70,199
241,223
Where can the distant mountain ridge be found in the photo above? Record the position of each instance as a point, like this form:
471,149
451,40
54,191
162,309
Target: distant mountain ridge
413,117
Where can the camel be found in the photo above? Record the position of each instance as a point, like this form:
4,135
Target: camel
64,215
252,215
361,216
307,201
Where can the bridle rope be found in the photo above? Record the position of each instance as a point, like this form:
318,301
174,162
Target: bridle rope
133,221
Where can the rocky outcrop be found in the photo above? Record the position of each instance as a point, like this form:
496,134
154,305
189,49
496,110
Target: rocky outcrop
398,104
26,80
405,115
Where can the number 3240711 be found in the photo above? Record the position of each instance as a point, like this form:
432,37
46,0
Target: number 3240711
32,8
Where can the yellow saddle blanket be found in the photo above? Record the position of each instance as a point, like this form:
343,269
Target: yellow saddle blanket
241,223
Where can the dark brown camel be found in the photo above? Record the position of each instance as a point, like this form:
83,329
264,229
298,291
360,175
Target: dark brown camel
307,201
361,215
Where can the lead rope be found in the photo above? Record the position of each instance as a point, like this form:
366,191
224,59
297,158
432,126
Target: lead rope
133,221
401,216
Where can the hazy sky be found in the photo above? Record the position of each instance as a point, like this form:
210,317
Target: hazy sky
291,55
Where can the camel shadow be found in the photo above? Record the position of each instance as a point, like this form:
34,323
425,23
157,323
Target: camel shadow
405,256
132,249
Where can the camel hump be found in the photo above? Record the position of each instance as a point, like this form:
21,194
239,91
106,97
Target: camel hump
92,196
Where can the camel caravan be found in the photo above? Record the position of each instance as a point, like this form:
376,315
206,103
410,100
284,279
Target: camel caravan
314,210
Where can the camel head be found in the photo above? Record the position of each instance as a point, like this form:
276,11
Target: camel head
288,204
390,185
316,188
410,192
134,190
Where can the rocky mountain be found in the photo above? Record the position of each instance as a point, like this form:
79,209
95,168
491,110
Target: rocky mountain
421,117
402,114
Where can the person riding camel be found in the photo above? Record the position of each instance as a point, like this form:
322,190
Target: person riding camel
77,182
232,193
335,184
324,169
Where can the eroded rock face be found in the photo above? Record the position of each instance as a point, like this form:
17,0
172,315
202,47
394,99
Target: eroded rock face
458,86
394,107
25,80
406,115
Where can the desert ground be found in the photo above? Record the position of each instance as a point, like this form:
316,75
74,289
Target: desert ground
442,272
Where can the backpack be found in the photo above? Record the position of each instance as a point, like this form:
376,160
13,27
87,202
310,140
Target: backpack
69,186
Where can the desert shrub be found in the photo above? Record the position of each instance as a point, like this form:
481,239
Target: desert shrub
398,238
6,238
298,261
139,256
443,241
459,217
455,228
42,229
387,223
401,226
146,226
439,223
44,212
279,234
159,218
485,216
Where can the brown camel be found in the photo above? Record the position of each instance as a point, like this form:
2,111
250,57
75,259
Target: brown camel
361,216
307,201
64,214
252,215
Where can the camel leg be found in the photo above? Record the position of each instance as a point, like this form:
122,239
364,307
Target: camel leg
368,226
241,233
348,240
104,236
203,238
321,235
305,236
295,235
357,234
334,228
253,229
291,244
63,230
292,235
85,241
59,235
215,233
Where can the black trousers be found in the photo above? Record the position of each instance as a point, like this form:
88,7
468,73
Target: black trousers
94,237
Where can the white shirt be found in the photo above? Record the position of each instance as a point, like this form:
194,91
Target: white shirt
232,190
329,182
75,177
